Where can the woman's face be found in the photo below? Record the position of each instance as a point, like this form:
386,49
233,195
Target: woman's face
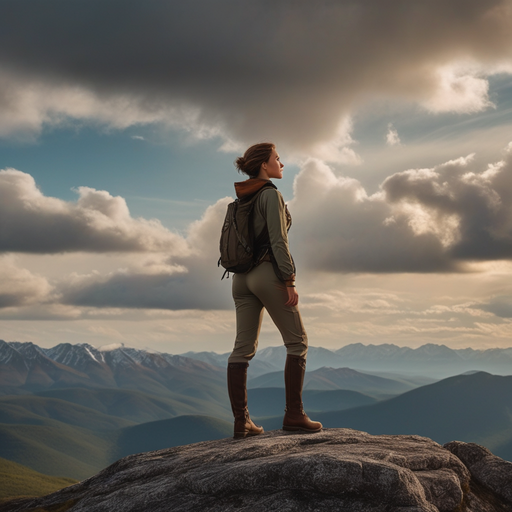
273,168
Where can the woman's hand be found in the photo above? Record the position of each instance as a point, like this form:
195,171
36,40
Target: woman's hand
293,296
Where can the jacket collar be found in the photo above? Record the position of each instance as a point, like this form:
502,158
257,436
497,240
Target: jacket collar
249,187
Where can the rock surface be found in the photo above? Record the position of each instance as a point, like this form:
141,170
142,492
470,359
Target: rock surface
337,469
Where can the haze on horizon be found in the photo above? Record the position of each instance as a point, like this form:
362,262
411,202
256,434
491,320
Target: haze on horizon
119,123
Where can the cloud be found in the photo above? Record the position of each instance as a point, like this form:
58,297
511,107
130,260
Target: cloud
356,232
19,286
166,271
297,70
97,222
158,270
501,306
392,138
159,281
422,220
459,90
469,211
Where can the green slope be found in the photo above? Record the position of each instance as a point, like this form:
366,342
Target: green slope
158,435
141,407
35,410
18,481
57,449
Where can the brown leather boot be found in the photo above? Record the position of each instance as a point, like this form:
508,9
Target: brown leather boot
237,389
294,417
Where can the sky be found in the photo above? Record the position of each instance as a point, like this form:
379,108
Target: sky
120,121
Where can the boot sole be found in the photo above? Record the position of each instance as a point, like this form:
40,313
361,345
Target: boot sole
241,435
300,429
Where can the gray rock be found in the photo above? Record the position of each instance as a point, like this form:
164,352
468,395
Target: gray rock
486,468
335,470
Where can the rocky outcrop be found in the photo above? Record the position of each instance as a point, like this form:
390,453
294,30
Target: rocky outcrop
337,469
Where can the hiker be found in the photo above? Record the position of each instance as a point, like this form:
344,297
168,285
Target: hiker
269,284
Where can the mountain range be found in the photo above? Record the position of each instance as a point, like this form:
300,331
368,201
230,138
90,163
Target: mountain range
70,410
190,383
430,360
29,366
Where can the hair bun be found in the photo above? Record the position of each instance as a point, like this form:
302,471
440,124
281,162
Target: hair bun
240,163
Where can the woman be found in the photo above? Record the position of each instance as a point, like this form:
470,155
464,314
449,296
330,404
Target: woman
270,285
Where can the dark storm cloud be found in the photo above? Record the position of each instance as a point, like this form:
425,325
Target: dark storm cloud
159,291
260,69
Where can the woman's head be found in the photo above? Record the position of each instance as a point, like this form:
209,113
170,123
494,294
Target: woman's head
254,157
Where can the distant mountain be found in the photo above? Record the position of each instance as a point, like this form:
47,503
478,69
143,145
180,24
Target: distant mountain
36,410
430,359
137,406
337,378
258,367
25,367
18,481
271,401
271,359
435,361
472,408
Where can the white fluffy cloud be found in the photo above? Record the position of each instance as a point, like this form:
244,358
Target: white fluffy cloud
461,89
392,137
97,222
159,281
356,232
19,286
422,220
167,270
296,73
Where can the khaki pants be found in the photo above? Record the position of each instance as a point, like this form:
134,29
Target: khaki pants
252,292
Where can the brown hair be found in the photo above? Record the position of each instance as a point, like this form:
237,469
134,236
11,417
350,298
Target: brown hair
256,155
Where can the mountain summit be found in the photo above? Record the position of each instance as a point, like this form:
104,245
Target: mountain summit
337,469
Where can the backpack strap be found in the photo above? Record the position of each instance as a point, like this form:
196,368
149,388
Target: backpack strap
263,236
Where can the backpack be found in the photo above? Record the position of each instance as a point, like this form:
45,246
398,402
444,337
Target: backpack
239,250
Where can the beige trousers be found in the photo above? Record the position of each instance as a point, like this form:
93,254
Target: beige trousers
252,292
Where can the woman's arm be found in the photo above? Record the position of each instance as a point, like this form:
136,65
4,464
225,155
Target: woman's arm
274,211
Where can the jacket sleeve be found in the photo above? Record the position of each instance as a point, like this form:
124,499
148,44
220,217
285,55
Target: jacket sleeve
273,210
